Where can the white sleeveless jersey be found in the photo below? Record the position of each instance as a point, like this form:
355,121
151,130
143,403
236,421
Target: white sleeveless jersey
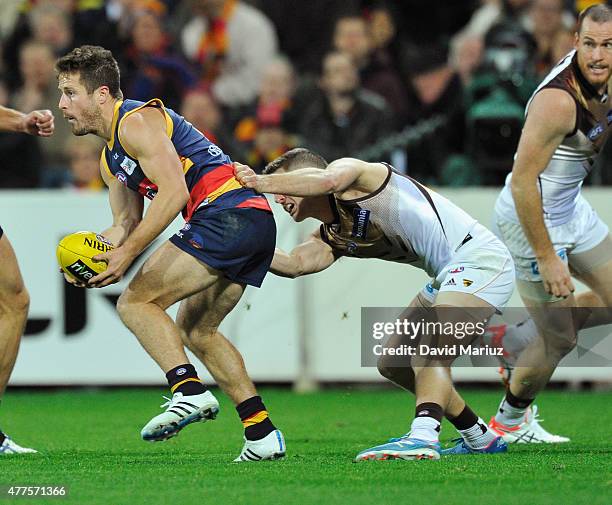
560,182
403,222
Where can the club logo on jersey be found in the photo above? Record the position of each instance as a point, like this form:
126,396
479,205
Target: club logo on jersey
467,283
595,132
456,270
361,219
122,178
128,165
214,151
450,283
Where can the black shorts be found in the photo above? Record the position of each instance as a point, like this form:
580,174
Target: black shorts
239,242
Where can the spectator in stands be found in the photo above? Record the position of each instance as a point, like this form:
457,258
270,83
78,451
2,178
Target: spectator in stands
275,99
20,154
39,91
436,90
271,139
376,71
344,119
201,110
231,42
152,68
553,38
467,55
84,155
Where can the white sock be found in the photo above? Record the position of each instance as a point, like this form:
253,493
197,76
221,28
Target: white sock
425,428
478,436
509,415
519,336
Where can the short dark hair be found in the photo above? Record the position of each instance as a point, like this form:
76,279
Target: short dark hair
96,67
299,157
599,13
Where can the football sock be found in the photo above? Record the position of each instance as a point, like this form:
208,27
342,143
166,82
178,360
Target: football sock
427,420
472,428
254,417
184,379
511,411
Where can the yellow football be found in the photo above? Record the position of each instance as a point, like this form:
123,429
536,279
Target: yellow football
74,253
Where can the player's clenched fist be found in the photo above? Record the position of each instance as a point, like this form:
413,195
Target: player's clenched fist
245,175
39,122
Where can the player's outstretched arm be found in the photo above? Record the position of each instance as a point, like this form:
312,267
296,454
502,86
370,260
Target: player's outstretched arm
552,115
143,135
336,178
309,257
38,122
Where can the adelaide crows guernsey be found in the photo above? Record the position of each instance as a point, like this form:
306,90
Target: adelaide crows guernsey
208,171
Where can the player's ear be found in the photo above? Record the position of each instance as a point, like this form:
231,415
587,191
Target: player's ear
102,95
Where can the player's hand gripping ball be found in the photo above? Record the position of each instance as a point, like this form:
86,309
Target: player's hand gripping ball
74,253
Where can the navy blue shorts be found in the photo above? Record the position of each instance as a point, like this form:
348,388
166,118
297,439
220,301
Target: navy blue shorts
238,242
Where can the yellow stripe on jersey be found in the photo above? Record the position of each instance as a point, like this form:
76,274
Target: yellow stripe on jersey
190,379
111,142
255,418
104,164
187,164
154,102
229,185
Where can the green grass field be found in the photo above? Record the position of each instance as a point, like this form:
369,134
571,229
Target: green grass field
90,442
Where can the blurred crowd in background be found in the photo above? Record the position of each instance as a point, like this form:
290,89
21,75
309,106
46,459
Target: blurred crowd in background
437,88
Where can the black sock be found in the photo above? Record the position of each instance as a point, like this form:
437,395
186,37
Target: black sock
517,403
465,420
254,417
184,379
429,409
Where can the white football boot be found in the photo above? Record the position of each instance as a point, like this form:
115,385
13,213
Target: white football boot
272,446
530,431
181,410
10,447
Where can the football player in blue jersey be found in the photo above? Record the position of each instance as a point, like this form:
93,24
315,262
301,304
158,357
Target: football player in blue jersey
227,243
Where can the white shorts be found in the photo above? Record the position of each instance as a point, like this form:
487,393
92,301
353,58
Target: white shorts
582,233
482,267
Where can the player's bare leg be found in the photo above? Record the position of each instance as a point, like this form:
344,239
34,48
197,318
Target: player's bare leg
436,395
14,304
168,276
557,328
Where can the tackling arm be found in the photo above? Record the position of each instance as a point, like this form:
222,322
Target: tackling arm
310,257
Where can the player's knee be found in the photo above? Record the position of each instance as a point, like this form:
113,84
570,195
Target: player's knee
125,306
199,336
21,301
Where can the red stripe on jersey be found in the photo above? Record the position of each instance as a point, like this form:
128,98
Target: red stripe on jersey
257,202
205,186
